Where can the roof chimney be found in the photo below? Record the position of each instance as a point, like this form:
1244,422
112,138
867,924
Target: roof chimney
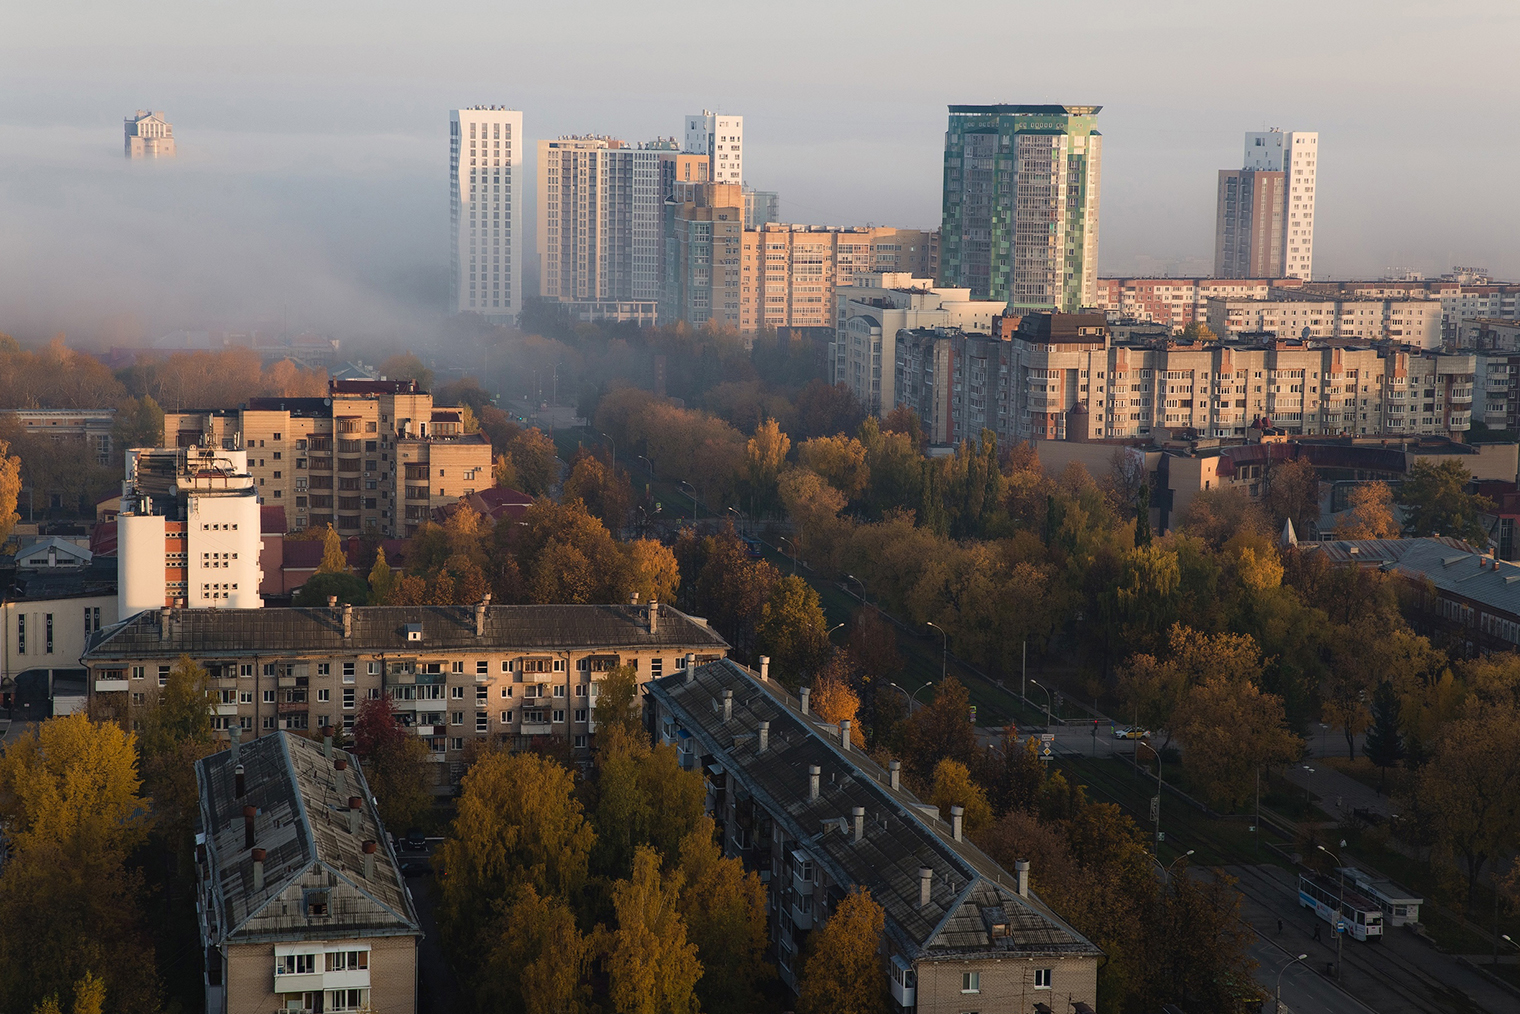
348,620
327,742
765,668
339,766
163,623
814,771
844,735
802,695
355,811
925,882
332,601
234,734
859,813
1021,867
728,706
369,860
690,669
248,814
957,814
239,786
480,616
258,869
654,617
765,737
894,774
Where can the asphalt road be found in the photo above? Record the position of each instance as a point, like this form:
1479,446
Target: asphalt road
438,991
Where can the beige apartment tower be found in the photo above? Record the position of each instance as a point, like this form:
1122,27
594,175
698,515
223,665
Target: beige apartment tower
149,135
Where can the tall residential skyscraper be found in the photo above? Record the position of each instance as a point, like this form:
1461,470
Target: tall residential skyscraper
1264,224
599,226
485,156
1021,205
721,138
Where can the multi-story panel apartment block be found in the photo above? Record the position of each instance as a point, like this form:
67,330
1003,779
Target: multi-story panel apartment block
339,460
1302,314
149,135
599,227
761,207
91,425
1061,377
1264,216
1178,301
300,901
1020,219
791,272
796,802
704,249
721,139
188,531
1462,295
485,208
457,675
869,316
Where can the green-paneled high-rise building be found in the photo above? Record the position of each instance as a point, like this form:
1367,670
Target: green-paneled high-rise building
1021,205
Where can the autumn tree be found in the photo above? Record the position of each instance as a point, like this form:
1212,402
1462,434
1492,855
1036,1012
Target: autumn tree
173,732
764,456
10,490
652,966
334,559
406,366
1154,688
953,786
1466,796
833,699
792,630
1199,952
89,998
725,912
814,506
941,729
348,589
842,972
1370,515
394,762
538,961
1218,515
1292,493
518,823
1229,730
1384,745
69,906
839,460
1436,502
604,490
653,573
381,579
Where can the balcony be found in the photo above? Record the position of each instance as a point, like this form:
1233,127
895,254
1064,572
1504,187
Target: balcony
290,708
802,912
226,709
536,729
108,686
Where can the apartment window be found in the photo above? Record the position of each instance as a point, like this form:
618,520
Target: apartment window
456,693
373,668
971,982
245,696
506,691
482,668
269,722
559,690
457,667
269,697
559,715
506,717
457,743
482,722
323,696
456,718
348,698
348,672
374,693
580,714
139,671
1042,978
163,675
269,669
246,669
580,742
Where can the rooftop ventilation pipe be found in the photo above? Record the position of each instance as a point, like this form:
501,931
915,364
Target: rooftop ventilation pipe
654,617
355,811
332,601
728,706
765,668
802,696
859,813
163,623
765,737
1021,867
339,766
348,620
369,860
925,882
844,735
258,869
957,815
814,771
894,774
239,785
248,814
480,615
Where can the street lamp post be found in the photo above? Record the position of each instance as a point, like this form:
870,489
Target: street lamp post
610,441
1340,905
913,697
1308,798
1167,871
1277,1009
692,490
1046,689
1138,744
944,649
783,538
738,514
647,464
852,577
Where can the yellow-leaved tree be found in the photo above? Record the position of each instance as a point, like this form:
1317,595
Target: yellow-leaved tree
652,967
842,973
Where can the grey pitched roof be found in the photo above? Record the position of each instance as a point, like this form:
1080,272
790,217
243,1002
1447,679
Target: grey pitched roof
303,825
1461,570
207,633
969,891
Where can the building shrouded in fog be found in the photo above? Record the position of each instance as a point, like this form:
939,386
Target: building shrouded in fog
149,135
485,155
721,139
1264,224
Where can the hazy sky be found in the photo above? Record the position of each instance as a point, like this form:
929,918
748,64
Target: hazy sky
312,181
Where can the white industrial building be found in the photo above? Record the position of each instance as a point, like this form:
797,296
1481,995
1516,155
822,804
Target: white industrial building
485,206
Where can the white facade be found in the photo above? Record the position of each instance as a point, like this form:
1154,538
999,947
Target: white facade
1300,160
141,563
485,207
721,139
1407,321
50,633
222,549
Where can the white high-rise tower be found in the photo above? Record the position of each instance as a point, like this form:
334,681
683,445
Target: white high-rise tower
485,205
1300,160
721,139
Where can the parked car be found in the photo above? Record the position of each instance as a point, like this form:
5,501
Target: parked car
415,867
1131,732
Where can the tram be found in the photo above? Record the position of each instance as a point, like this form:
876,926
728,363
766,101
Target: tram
1362,917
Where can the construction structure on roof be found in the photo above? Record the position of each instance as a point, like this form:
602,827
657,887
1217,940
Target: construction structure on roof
301,903
796,801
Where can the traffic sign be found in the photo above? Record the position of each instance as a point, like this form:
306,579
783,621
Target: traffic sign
1047,737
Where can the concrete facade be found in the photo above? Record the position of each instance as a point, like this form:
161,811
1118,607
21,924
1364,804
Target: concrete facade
485,211
149,135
